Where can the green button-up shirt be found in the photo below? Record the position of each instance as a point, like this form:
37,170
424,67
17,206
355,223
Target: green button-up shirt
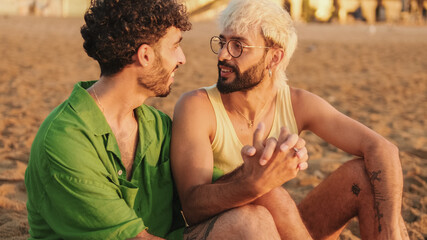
76,181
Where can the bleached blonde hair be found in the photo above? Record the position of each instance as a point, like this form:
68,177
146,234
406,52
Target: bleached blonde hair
277,27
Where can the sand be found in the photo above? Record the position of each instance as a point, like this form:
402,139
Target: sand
374,74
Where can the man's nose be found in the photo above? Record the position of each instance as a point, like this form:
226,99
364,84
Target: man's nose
223,54
181,57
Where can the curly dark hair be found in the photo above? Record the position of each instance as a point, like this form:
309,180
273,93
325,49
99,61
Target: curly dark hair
115,29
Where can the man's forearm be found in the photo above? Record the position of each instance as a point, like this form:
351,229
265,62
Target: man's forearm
385,175
207,200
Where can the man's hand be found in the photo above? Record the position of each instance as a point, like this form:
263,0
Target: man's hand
270,163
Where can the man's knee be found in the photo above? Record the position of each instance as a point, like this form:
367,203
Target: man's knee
254,214
352,170
251,218
247,222
356,165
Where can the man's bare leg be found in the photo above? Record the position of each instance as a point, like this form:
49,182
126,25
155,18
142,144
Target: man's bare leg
247,222
285,214
346,193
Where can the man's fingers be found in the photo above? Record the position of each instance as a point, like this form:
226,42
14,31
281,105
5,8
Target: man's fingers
300,143
270,146
301,153
248,151
289,142
258,136
303,166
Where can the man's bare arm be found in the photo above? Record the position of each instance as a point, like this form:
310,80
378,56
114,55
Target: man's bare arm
192,163
381,157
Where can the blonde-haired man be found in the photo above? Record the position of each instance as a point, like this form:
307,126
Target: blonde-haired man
212,125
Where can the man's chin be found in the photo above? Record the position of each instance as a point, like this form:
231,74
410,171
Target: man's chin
221,81
224,88
164,94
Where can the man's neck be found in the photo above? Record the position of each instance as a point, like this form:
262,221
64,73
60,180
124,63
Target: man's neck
117,96
252,101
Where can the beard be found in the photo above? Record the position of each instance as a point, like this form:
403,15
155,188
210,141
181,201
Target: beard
158,79
243,81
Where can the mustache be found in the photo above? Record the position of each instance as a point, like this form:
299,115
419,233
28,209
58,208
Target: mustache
225,64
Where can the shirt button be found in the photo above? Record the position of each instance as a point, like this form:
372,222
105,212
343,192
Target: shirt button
120,172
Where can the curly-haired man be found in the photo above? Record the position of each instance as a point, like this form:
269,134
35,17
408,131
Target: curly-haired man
99,166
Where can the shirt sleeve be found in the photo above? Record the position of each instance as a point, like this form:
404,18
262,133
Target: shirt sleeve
80,200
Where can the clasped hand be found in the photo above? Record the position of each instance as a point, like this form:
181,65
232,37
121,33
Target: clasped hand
271,163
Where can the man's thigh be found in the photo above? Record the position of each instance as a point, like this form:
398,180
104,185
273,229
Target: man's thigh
247,222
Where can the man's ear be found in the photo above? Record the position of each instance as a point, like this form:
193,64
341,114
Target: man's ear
145,55
277,56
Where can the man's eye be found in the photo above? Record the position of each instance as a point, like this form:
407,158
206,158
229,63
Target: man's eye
235,45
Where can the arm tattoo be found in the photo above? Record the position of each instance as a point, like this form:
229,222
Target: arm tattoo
355,189
200,231
378,198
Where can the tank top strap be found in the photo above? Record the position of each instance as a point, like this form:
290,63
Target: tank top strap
284,111
226,145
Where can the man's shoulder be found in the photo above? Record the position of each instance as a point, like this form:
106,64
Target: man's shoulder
194,108
301,96
196,98
64,132
53,121
64,120
197,93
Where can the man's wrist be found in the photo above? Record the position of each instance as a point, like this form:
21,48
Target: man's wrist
252,187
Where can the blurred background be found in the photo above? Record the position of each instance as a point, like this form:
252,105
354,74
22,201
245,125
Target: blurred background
343,11
368,58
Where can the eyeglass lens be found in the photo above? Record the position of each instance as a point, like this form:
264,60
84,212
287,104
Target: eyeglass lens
234,47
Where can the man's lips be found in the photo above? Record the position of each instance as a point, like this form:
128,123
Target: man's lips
173,72
225,71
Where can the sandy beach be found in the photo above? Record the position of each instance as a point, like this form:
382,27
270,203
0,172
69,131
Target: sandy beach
374,74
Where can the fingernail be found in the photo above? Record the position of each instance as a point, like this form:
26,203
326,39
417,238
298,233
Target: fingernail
284,147
300,155
303,166
262,162
251,151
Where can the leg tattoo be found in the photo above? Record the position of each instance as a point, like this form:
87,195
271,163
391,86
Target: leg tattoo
200,231
355,189
374,176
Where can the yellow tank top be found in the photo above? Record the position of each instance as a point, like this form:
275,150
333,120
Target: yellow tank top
226,145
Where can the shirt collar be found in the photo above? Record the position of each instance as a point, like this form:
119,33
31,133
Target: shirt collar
85,106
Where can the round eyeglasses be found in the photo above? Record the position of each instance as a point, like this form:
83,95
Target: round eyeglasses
234,47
